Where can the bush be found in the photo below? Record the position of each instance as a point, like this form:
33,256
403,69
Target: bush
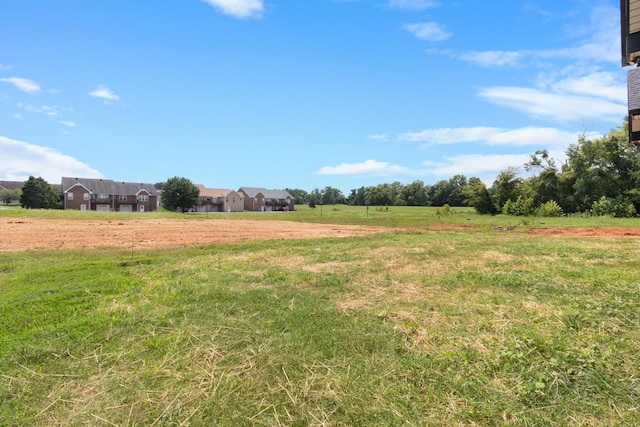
523,206
550,208
618,207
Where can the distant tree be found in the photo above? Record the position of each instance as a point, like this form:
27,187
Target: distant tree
39,194
477,196
380,195
301,196
180,195
506,187
315,197
358,197
414,194
6,196
332,196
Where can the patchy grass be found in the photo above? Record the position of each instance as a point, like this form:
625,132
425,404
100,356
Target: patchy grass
415,328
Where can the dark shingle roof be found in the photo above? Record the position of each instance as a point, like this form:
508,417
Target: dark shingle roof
268,194
108,186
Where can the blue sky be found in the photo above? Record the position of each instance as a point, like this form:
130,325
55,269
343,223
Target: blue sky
301,93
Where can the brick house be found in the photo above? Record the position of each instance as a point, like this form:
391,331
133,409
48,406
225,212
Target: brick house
108,195
219,200
261,199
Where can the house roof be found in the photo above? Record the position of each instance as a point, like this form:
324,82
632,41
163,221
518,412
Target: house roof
108,186
214,192
252,192
11,185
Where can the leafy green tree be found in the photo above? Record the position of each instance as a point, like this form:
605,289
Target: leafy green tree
179,194
506,187
332,196
7,195
477,196
301,196
358,197
39,194
449,191
414,194
608,166
380,195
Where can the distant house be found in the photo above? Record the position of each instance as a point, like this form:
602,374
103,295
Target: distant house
219,200
108,195
261,199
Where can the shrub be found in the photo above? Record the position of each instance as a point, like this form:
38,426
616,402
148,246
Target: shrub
617,207
550,208
523,206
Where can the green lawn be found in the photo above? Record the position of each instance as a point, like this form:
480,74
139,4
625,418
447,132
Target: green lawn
417,328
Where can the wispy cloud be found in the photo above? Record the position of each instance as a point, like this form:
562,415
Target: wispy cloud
532,136
105,93
476,164
25,85
559,106
22,159
242,9
493,58
412,4
68,123
47,110
430,31
368,167
378,137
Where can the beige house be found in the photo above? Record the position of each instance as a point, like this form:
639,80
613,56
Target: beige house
219,200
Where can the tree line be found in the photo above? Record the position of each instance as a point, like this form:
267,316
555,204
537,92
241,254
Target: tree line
600,176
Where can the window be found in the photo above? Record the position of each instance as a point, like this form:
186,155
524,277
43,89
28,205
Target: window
143,197
86,196
103,196
122,198
69,196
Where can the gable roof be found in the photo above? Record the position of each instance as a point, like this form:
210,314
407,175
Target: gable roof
11,185
108,186
252,192
214,192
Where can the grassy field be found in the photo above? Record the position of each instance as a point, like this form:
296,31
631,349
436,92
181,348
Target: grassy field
419,328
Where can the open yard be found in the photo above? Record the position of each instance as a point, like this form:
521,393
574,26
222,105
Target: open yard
23,233
279,320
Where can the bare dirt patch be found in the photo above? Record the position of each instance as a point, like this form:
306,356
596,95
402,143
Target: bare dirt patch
20,234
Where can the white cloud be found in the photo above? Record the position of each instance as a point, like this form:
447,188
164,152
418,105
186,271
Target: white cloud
24,85
47,110
21,160
493,58
533,136
450,135
477,164
69,123
242,9
560,106
600,44
378,137
430,31
368,167
105,93
412,4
